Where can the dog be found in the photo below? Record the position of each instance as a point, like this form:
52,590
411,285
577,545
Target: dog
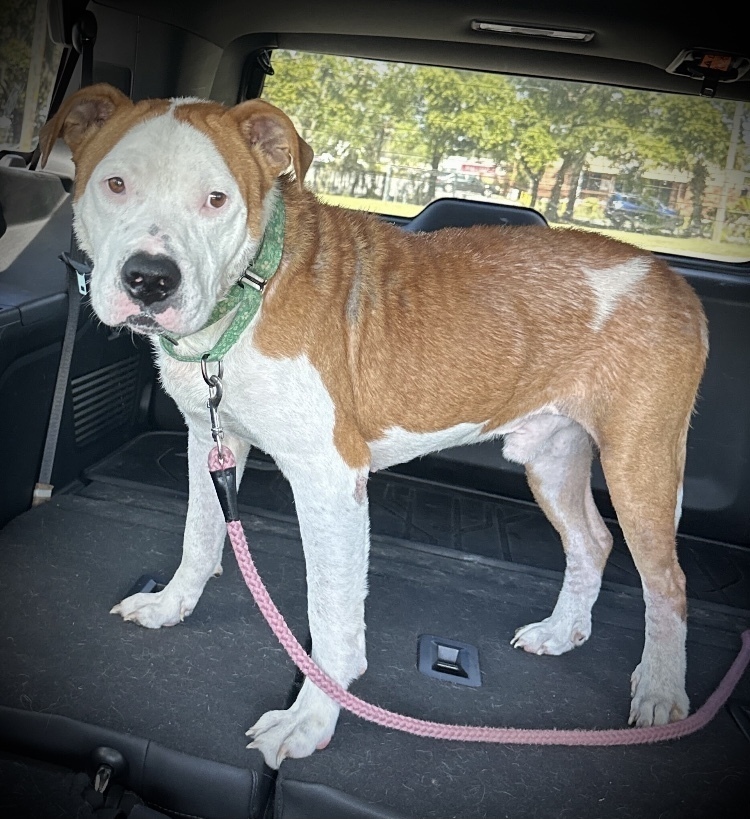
373,346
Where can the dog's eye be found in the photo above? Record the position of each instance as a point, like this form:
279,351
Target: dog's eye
217,199
116,185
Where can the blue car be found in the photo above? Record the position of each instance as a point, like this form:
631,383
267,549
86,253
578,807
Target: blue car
634,212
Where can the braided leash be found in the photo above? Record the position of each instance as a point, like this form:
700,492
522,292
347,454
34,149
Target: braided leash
437,730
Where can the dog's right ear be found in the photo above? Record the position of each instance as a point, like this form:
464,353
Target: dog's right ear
80,116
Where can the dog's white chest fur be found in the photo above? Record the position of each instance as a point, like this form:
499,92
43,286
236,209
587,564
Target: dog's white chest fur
278,405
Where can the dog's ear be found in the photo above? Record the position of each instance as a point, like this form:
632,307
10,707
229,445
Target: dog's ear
81,115
270,129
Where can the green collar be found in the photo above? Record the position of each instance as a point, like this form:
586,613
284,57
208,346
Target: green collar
246,295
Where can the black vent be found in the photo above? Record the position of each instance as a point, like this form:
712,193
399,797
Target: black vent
104,400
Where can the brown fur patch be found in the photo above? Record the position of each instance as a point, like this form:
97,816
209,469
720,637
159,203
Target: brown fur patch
253,176
473,325
91,122
255,162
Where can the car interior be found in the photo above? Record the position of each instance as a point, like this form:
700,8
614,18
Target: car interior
99,717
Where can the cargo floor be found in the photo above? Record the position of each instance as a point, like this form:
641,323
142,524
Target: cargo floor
197,687
406,509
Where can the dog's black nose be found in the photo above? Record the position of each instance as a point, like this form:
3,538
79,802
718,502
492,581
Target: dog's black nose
149,279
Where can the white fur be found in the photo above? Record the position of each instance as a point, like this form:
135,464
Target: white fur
398,445
612,284
557,454
291,416
658,682
164,212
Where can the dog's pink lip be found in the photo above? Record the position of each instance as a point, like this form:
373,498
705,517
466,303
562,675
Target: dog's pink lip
170,320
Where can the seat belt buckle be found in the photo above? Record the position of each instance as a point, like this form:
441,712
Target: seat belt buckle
42,494
81,270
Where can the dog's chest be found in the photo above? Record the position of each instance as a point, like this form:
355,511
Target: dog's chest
275,404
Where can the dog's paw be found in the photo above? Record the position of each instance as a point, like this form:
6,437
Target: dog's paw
551,636
294,733
156,609
655,702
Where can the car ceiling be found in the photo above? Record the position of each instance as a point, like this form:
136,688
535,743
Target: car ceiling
634,42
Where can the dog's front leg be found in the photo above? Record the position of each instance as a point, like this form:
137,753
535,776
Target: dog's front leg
203,541
331,502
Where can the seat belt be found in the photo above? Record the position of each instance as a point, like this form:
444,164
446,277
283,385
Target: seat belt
84,37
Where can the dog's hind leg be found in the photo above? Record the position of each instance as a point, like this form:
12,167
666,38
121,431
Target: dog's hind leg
557,454
644,472
203,541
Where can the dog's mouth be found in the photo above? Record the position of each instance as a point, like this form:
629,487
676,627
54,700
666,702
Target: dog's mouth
143,323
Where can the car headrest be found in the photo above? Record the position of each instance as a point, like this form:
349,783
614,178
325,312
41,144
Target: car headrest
468,213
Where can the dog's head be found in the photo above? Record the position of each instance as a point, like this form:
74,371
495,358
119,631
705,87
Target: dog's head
171,198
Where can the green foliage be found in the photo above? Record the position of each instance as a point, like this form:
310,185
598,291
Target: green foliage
589,210
344,107
404,121
458,112
684,130
355,109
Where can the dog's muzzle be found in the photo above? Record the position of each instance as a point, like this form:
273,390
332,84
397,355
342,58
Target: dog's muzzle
149,280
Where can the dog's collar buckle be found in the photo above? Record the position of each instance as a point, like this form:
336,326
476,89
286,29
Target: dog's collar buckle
253,280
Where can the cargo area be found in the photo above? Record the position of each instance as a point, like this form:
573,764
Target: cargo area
460,565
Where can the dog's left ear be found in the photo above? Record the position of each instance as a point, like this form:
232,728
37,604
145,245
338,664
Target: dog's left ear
270,129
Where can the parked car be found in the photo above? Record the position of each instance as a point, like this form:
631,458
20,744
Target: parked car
462,185
102,718
636,212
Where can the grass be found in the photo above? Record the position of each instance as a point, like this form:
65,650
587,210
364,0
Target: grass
372,205
697,247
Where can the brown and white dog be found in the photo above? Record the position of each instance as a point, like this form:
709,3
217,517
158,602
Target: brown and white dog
374,346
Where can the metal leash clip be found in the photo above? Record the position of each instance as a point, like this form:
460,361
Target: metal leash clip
215,393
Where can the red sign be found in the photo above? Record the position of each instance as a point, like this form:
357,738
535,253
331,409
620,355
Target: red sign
478,168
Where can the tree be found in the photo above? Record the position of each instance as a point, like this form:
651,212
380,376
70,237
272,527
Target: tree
458,112
535,147
687,133
347,108
583,120
28,63
16,30
371,108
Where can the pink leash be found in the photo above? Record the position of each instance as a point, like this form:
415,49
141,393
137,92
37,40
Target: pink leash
437,730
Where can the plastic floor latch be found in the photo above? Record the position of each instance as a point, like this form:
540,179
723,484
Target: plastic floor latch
448,660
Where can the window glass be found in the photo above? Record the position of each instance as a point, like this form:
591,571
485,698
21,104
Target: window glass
28,65
668,172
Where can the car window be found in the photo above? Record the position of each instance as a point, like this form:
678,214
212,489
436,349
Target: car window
667,172
28,65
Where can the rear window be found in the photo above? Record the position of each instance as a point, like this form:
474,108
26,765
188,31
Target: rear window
28,64
670,173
